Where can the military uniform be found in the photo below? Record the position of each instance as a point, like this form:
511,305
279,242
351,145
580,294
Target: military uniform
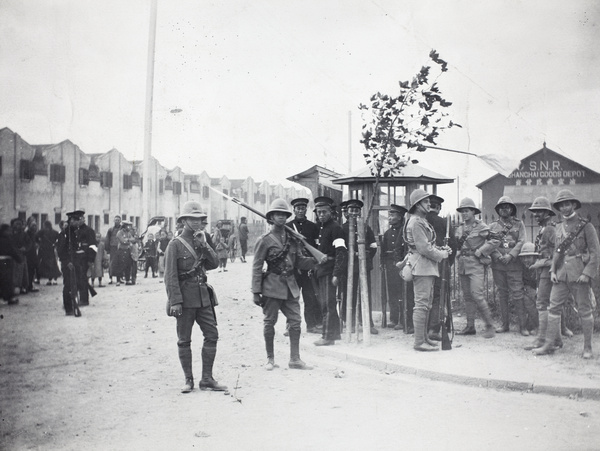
312,309
394,250
77,246
509,235
191,299
278,285
576,255
331,242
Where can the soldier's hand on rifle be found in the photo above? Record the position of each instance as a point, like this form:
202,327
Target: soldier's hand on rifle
447,249
258,300
335,281
176,310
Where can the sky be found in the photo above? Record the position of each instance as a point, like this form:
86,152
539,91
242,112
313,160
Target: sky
270,88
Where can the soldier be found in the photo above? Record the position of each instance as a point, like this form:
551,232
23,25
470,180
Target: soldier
331,242
111,244
190,299
472,255
394,250
354,207
76,250
440,226
544,247
277,289
508,233
574,265
306,282
423,259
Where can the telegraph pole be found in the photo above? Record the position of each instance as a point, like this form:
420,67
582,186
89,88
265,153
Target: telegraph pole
147,187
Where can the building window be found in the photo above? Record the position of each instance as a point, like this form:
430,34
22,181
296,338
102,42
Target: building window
169,183
106,219
26,170
135,179
176,187
84,177
39,165
205,192
195,187
161,186
127,181
43,219
57,173
106,179
225,191
90,220
57,219
94,173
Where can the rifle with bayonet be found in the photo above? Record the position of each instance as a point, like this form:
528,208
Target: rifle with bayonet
445,303
316,253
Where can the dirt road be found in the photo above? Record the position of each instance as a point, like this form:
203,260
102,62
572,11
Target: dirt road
111,379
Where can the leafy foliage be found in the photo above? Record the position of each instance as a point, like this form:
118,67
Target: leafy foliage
412,120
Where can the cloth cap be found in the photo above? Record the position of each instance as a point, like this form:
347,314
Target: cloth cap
323,201
398,209
437,199
299,201
76,214
354,203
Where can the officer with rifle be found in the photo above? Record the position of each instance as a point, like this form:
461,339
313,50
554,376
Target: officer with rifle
76,250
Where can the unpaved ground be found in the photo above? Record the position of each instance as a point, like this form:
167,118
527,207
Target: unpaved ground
110,380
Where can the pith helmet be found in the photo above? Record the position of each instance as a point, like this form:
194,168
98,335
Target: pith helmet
528,249
564,195
191,209
417,196
467,202
279,206
505,200
542,203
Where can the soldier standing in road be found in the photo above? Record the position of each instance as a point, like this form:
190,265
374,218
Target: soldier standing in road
312,310
331,242
243,237
191,299
544,247
394,250
76,250
574,265
472,256
423,259
111,244
277,289
354,207
509,234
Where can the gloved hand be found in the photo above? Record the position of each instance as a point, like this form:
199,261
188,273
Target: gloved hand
176,310
258,300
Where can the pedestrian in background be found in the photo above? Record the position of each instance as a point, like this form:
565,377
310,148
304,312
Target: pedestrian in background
97,271
163,242
151,255
123,261
32,255
9,257
111,246
23,244
47,240
243,237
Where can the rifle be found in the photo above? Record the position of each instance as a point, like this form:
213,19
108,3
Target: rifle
444,298
384,286
317,254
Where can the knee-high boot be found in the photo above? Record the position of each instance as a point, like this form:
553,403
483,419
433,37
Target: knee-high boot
208,359
269,335
419,321
484,308
295,362
587,324
185,358
541,338
552,331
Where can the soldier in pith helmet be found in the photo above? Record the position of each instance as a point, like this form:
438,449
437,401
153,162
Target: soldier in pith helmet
508,234
574,265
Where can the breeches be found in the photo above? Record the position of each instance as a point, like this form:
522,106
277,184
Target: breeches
542,301
205,318
423,288
290,307
581,293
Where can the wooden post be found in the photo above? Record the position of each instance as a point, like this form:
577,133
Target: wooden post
362,279
350,278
